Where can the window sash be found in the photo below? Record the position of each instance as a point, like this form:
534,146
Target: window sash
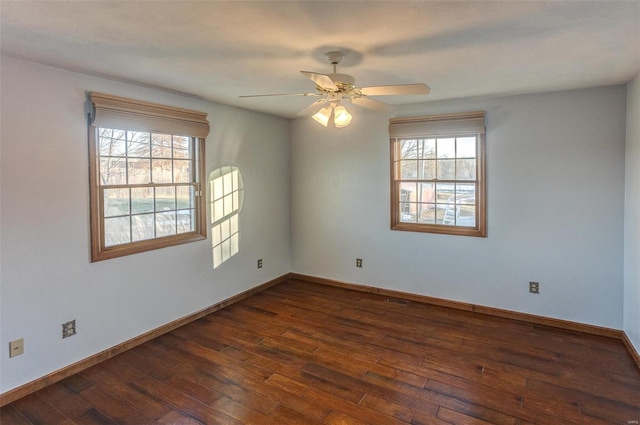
437,127
100,250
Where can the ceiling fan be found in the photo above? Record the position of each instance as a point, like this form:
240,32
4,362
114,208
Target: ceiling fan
335,88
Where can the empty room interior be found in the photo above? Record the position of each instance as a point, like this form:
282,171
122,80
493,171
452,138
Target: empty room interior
320,212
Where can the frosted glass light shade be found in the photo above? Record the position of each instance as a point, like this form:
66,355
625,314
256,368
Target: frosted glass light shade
342,117
322,116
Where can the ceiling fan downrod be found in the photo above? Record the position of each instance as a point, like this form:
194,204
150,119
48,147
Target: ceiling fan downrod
335,58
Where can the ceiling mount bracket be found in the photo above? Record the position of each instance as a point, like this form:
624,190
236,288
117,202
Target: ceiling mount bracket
334,57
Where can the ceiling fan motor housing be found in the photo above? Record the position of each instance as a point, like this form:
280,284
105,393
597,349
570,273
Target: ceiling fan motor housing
344,79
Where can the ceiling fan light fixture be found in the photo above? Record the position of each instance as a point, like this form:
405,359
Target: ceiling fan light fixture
336,87
341,117
322,116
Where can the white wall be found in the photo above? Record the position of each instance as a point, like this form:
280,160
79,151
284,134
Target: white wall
46,278
555,167
555,209
632,217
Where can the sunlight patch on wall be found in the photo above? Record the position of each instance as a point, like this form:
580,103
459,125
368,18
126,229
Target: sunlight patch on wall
226,192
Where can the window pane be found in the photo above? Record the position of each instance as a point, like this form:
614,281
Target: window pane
182,171
446,148
142,227
117,231
429,149
138,171
466,199
142,200
182,142
111,142
408,212
408,149
467,216
138,145
450,214
185,197
466,193
113,171
445,193
446,169
161,145
427,192
161,171
408,191
138,150
427,213
185,221
181,153
428,169
408,170
116,202
466,147
466,169
165,198
165,223
139,137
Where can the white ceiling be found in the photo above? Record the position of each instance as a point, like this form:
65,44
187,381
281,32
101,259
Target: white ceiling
219,50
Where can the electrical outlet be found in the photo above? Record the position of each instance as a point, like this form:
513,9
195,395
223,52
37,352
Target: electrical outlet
534,287
359,262
16,347
260,263
68,329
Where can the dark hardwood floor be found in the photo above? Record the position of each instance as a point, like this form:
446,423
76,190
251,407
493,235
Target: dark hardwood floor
303,353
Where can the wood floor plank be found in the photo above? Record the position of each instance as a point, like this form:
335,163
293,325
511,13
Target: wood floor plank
37,411
115,386
113,406
309,354
65,401
9,415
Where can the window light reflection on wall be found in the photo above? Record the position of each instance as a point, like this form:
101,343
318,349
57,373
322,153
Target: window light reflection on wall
226,192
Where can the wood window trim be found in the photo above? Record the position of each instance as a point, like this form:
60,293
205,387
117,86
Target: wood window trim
99,251
459,126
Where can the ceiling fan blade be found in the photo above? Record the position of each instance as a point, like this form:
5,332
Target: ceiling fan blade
313,107
322,80
282,94
399,89
370,104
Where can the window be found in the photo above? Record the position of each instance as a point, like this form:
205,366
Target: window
437,174
226,194
146,168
